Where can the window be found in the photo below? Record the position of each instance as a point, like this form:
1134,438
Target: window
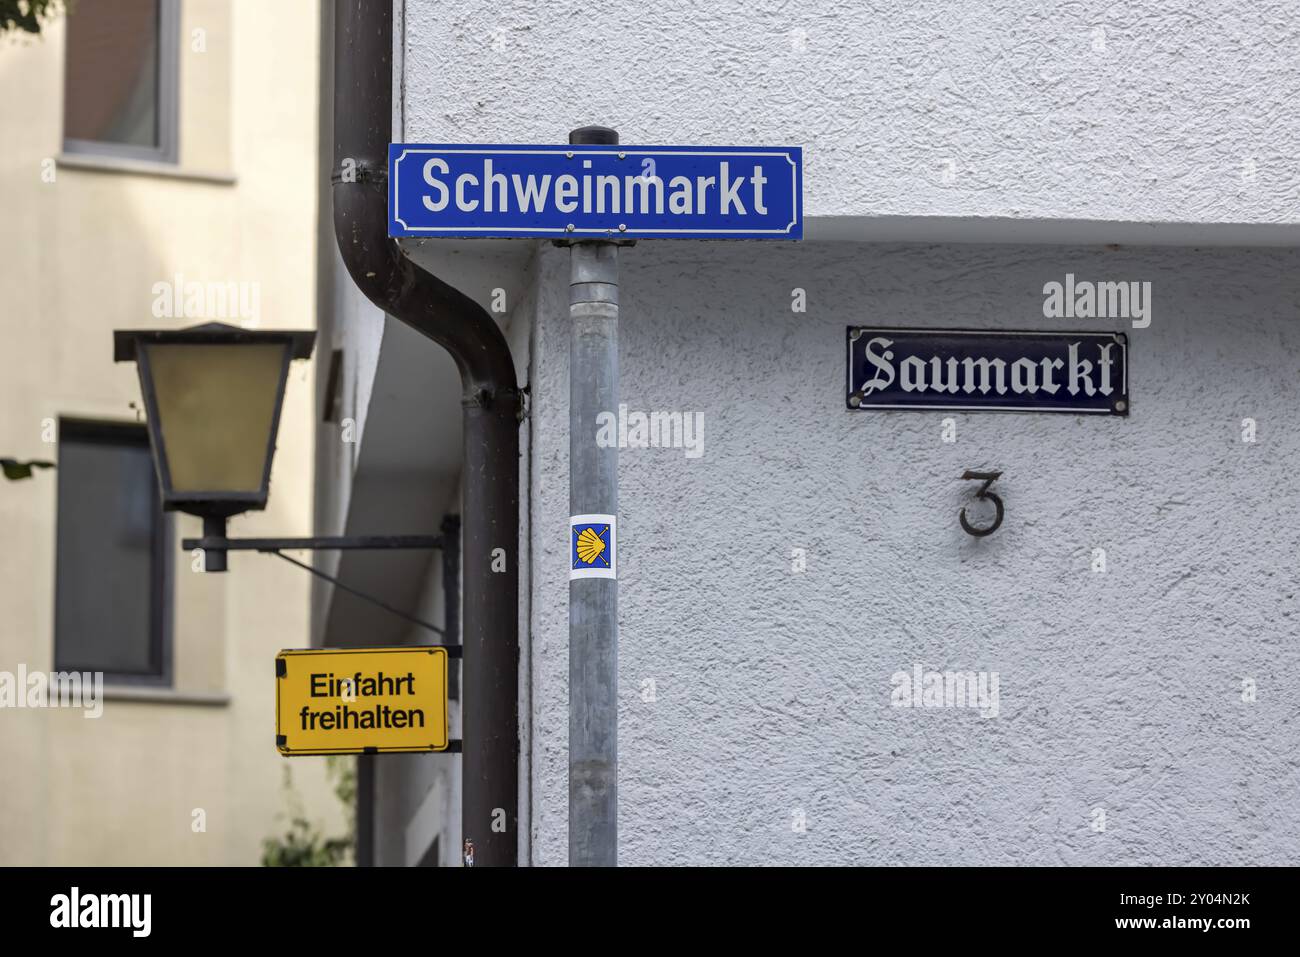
120,79
112,577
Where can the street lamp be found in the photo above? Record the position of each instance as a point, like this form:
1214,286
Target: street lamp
212,397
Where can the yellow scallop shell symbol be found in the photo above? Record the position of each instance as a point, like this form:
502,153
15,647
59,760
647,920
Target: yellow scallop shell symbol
590,546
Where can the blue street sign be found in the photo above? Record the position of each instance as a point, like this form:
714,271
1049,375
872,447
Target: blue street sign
631,192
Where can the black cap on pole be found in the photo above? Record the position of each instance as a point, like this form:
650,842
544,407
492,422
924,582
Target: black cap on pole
593,136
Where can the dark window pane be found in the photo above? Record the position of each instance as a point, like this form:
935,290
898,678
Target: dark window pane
112,72
109,557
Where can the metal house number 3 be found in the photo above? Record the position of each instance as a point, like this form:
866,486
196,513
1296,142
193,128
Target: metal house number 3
988,478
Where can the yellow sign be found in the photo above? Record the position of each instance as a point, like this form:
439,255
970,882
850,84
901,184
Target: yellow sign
365,701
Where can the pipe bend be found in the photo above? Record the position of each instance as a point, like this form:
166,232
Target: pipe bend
402,289
363,110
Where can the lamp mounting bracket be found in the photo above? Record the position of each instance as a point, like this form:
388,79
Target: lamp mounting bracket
219,543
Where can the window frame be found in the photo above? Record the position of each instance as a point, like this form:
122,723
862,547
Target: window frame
167,152
162,577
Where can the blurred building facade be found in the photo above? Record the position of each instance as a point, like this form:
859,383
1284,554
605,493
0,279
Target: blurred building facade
157,170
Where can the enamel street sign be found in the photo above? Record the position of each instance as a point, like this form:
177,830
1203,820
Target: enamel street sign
369,701
631,192
968,370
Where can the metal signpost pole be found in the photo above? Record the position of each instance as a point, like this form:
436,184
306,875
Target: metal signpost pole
593,196
593,587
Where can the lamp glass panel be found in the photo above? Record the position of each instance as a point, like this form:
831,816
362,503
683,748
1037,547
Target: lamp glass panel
216,407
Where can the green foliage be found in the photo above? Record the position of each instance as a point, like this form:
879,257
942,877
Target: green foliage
15,470
343,771
304,844
27,16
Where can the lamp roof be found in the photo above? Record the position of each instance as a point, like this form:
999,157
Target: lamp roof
126,340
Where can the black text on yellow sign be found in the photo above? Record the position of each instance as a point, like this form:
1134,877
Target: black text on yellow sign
371,701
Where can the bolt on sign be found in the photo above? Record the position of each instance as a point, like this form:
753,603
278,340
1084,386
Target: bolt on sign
370,701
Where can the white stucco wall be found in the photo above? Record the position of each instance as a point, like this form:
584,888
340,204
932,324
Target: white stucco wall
1119,691
1156,112
1043,122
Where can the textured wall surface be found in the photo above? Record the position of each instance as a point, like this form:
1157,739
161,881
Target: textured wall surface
1031,121
1120,691
1161,111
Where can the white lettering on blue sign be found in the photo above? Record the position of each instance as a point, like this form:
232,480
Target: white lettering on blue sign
633,192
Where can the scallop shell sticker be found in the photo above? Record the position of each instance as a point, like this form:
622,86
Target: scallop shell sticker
592,546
